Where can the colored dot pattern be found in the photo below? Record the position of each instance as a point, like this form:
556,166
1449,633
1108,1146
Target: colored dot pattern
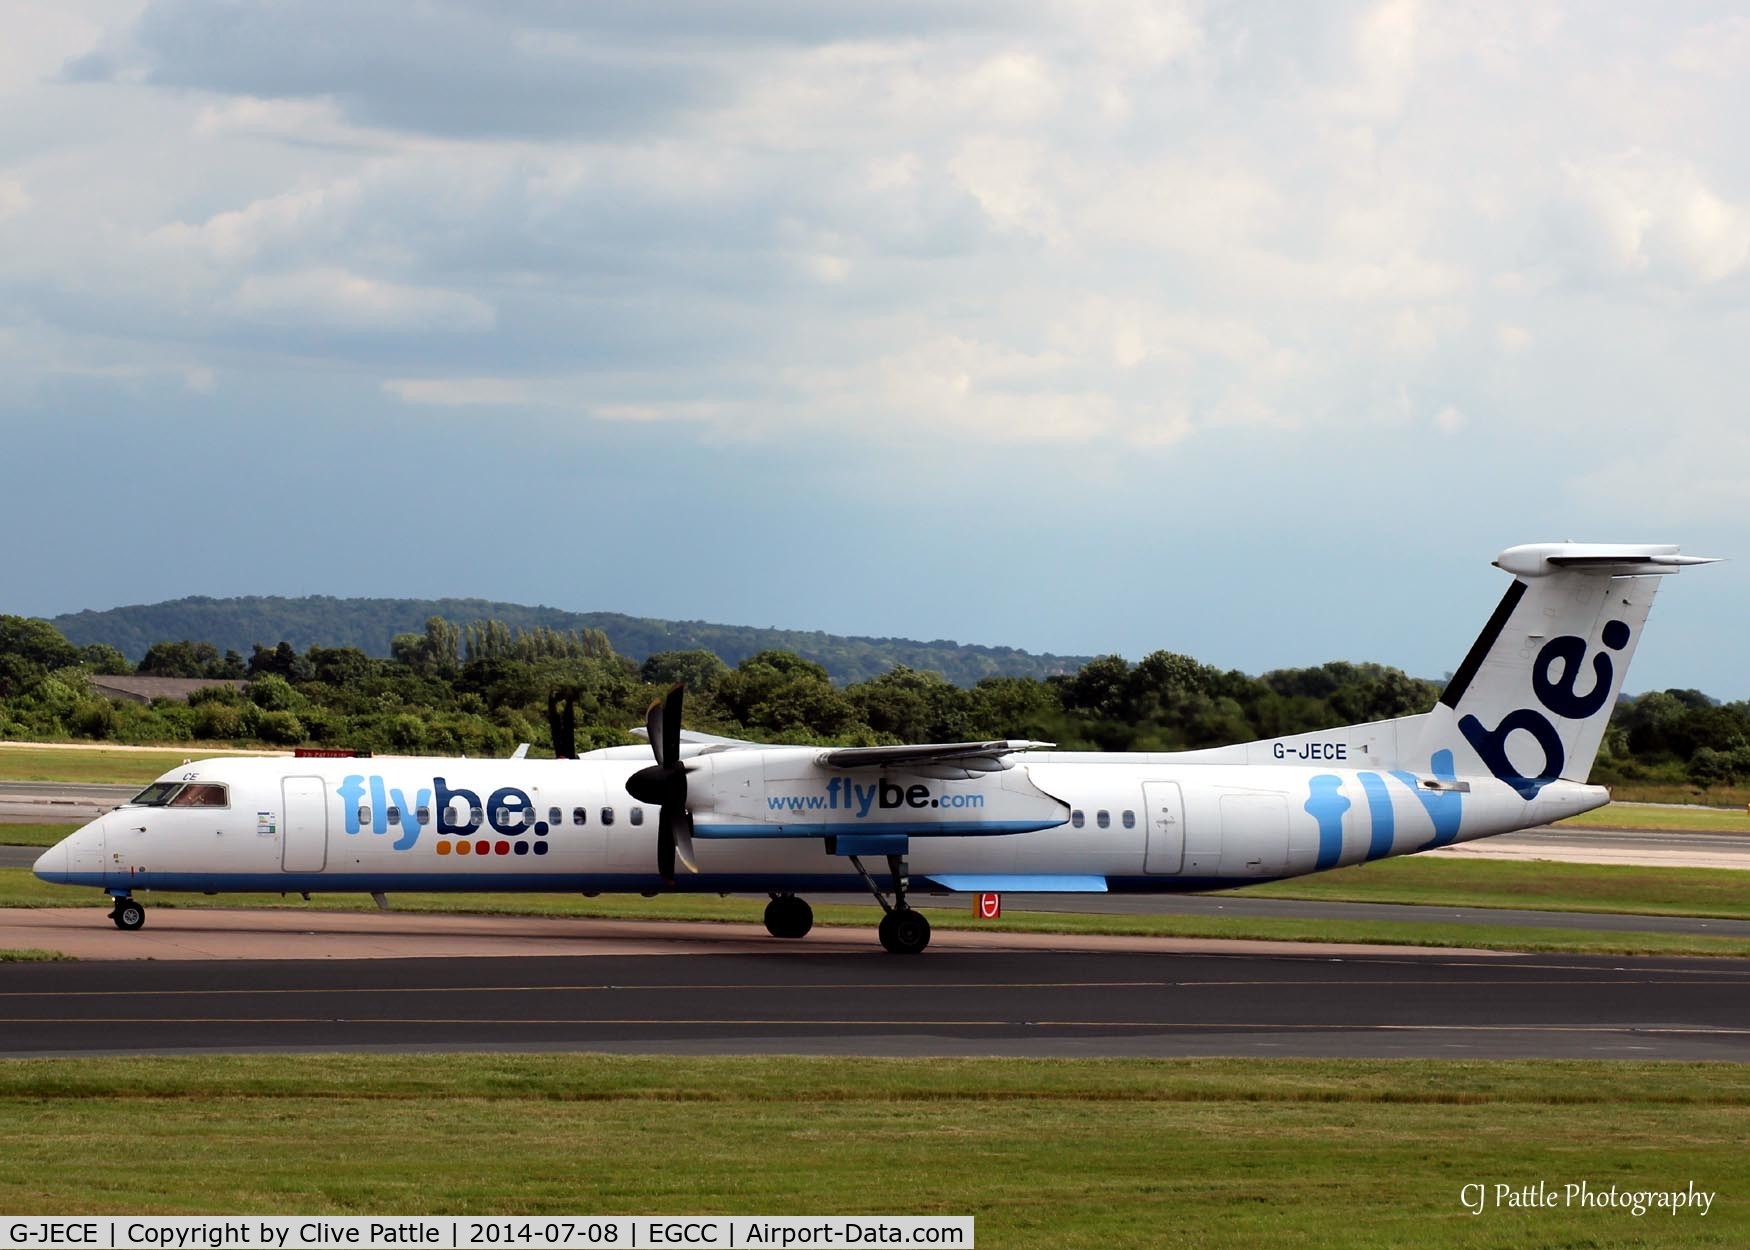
486,846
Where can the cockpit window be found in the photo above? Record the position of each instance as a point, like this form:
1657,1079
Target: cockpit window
201,794
156,795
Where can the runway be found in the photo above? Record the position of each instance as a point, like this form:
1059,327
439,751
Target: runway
55,802
953,1001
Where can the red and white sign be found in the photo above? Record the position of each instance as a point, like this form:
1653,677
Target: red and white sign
988,906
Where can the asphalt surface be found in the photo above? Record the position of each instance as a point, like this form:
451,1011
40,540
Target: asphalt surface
56,802
1242,906
1034,1003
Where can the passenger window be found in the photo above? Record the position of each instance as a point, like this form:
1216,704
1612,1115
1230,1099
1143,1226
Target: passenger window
555,816
637,815
364,816
1076,819
607,815
577,816
1103,819
394,814
1129,819
476,817
425,815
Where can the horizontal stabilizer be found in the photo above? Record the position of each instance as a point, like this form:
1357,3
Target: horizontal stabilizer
1613,559
1018,883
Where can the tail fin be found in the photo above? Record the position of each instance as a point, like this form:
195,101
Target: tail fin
1531,701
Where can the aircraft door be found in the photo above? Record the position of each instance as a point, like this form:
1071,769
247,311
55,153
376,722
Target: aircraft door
1164,809
305,846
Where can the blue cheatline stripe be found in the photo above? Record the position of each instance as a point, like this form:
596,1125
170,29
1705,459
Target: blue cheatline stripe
1379,807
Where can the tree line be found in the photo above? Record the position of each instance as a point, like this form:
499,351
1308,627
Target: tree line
369,624
482,688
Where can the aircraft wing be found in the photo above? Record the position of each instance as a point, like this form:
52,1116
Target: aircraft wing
693,738
925,753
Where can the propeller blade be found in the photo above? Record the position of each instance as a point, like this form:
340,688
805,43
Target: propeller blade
664,784
670,725
653,727
665,848
681,833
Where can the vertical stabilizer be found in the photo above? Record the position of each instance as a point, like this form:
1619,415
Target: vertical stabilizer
1533,698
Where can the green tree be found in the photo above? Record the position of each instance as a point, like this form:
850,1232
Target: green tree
182,659
104,659
699,671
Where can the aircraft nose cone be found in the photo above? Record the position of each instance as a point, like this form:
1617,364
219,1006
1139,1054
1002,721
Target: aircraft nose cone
51,865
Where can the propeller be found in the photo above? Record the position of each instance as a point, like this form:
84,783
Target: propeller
664,785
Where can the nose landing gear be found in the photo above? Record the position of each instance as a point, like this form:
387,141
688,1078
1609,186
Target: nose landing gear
127,914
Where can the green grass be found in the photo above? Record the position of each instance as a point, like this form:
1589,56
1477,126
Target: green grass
1649,816
1679,792
33,835
31,955
18,888
97,765
1070,1153
1722,893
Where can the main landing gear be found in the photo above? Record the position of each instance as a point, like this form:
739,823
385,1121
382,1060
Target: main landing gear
903,931
788,916
127,914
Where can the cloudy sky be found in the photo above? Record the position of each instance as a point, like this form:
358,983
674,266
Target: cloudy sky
1252,331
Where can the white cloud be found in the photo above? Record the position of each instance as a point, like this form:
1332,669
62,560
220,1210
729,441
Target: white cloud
334,299
460,392
1691,480
285,220
1650,215
13,198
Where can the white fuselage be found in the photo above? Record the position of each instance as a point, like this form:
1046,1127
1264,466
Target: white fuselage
1121,823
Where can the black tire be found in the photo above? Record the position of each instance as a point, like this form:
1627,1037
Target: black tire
904,932
128,915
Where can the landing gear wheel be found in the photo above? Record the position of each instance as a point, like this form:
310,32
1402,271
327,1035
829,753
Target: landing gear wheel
788,916
904,931
128,914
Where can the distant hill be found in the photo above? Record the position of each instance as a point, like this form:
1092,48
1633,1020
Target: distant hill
369,624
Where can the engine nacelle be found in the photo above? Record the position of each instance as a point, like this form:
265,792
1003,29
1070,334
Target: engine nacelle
787,792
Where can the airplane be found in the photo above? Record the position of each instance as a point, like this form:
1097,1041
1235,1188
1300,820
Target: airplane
1509,745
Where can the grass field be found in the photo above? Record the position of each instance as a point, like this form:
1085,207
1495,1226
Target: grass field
96,765
18,888
1208,1153
1654,816
33,835
1677,792
1540,885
